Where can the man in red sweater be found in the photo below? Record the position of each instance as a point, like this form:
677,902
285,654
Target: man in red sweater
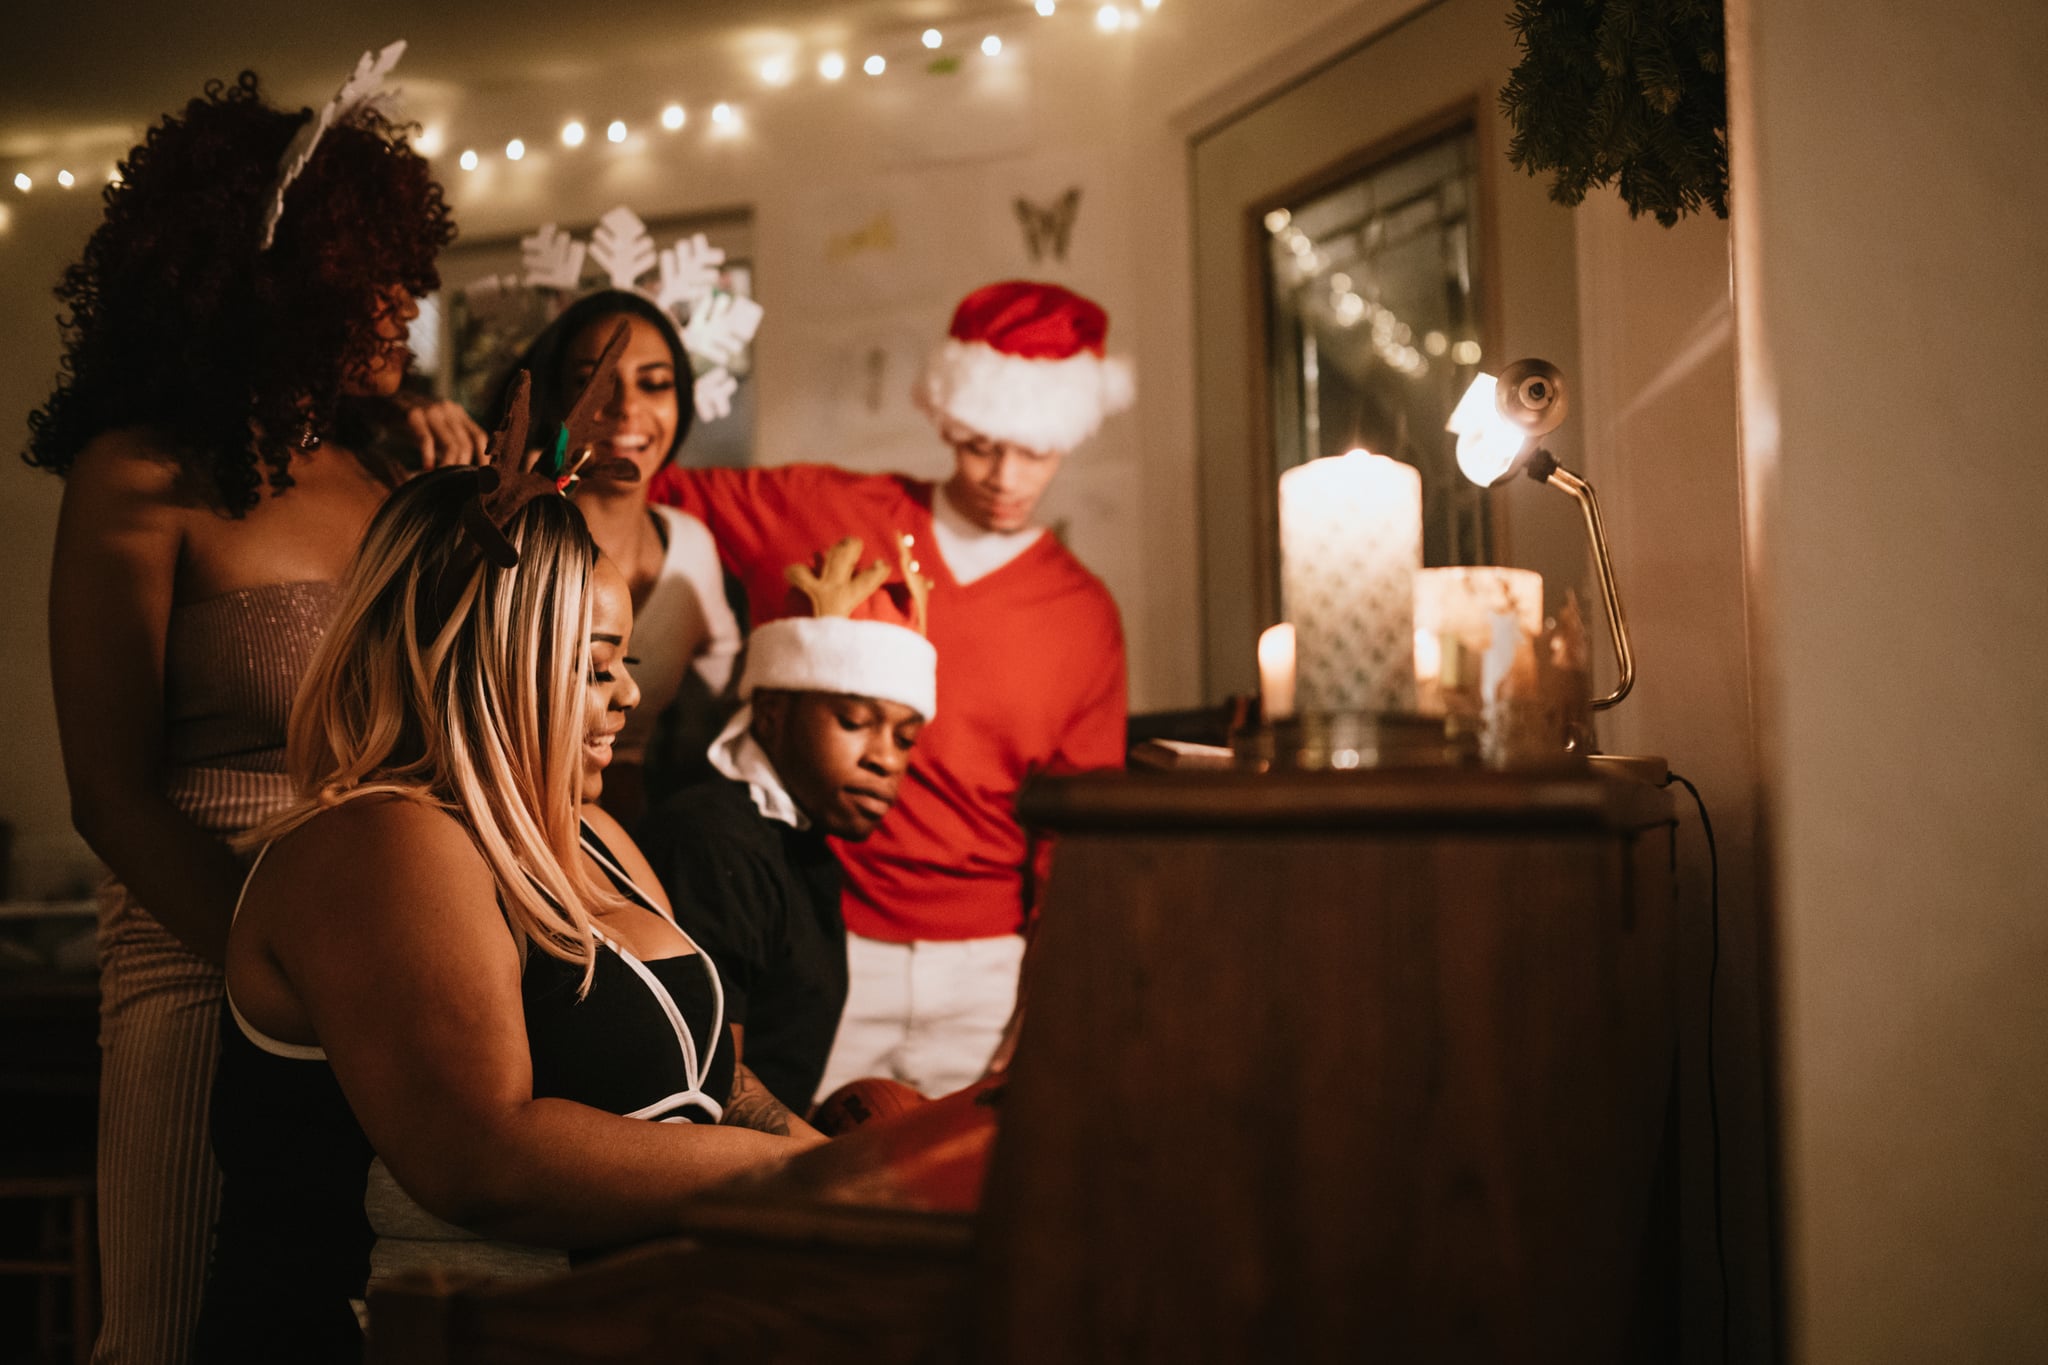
1030,661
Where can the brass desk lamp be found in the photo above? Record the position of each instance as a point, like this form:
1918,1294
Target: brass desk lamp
1500,425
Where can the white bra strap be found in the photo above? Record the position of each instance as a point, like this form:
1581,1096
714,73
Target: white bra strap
243,894
297,1052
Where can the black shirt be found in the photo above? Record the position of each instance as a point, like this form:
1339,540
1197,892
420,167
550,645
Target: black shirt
762,900
292,1242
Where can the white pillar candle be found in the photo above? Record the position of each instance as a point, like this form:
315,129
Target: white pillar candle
1276,673
1350,546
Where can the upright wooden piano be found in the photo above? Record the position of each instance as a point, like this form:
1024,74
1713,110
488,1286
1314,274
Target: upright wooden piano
1317,1066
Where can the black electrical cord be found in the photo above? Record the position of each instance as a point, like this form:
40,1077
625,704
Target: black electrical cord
1713,1085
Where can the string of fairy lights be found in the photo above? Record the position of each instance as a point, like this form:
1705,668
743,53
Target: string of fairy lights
931,51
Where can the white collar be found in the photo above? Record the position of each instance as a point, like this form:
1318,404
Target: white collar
972,551
740,757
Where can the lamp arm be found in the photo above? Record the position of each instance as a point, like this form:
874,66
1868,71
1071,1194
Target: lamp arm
1557,476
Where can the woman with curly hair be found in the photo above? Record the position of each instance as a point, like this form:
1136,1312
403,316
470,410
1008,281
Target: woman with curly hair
214,424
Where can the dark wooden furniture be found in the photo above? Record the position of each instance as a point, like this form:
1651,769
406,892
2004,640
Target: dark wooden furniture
62,1259
1315,1067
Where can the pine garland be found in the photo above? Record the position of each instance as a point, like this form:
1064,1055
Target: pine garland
1633,91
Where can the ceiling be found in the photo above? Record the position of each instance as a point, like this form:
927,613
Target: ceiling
89,72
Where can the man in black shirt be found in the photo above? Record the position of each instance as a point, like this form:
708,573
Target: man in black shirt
834,704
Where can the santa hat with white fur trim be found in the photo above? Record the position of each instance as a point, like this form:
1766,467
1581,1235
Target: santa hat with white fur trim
1025,364
865,637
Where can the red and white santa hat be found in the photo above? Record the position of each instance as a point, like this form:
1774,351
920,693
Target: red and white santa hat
863,634
1025,364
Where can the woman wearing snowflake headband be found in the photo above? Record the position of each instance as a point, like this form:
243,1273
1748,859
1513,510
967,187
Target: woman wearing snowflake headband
688,636
232,341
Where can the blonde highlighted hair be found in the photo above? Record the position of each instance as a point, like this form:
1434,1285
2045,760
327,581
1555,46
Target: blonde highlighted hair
447,679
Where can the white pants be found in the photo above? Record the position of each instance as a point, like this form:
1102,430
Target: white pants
928,1014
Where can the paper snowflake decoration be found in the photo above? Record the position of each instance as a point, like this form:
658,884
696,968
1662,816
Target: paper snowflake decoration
690,282
363,88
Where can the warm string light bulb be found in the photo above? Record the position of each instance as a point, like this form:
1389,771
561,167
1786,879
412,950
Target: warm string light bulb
778,70
22,182
66,179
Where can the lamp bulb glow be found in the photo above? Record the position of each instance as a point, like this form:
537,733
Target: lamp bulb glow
724,115
572,134
514,150
1488,443
469,159
831,66
22,182
1046,8
777,71
991,46
615,131
932,38
1109,18
66,179
672,117
875,65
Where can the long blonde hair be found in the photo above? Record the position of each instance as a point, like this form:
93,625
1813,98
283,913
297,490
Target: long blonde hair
447,679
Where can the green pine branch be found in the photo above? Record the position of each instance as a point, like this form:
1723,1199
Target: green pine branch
1631,93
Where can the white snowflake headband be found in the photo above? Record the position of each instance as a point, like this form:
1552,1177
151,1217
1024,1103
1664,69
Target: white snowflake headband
715,323
363,89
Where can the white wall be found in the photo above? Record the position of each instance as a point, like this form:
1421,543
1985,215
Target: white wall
1656,403
1892,285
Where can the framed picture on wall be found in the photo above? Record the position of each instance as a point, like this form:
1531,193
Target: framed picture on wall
491,307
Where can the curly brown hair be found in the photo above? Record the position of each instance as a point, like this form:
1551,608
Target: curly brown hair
176,323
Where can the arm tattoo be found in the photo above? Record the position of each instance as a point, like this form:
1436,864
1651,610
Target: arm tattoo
752,1106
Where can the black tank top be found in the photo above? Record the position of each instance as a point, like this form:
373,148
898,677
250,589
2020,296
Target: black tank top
292,1244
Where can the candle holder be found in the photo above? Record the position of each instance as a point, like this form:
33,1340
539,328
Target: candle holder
1341,741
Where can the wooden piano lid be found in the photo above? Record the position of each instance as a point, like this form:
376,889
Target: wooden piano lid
1414,798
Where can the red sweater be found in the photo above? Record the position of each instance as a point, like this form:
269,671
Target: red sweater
1031,680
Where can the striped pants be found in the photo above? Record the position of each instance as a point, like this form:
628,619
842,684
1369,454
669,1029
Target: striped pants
158,1187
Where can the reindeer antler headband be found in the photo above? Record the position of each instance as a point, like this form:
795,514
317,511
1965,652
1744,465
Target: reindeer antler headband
855,642
502,486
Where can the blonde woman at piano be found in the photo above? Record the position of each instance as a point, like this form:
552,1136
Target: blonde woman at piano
447,993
